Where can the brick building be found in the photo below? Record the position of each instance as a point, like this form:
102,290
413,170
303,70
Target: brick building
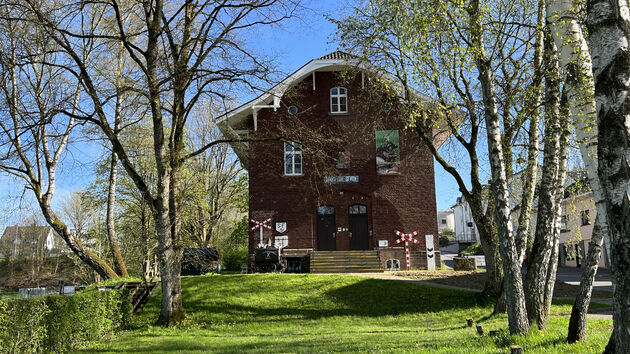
331,163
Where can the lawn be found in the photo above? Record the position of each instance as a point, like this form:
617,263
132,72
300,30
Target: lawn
324,313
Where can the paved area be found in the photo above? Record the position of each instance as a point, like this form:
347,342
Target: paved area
569,275
572,275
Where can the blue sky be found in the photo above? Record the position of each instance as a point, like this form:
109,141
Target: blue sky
293,44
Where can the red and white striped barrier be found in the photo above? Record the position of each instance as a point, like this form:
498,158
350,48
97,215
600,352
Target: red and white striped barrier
407,238
260,225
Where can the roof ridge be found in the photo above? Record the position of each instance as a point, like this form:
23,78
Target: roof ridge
337,54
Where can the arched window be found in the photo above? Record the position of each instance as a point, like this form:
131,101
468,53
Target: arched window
338,100
357,209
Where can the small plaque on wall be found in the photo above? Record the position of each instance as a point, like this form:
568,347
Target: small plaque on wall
383,243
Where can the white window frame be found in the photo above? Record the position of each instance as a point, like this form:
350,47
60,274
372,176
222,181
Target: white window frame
296,149
336,107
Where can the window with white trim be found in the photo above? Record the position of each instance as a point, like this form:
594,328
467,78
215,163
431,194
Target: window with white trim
292,159
338,100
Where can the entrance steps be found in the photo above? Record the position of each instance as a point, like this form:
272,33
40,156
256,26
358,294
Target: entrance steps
345,262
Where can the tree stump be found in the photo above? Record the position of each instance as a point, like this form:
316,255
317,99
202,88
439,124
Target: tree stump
464,263
515,349
480,330
470,322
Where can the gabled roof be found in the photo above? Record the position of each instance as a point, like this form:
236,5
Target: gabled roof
271,98
233,124
336,55
19,232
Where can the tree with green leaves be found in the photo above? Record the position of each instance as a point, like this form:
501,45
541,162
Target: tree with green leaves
438,48
181,54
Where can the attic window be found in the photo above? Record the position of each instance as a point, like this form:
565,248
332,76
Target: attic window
338,100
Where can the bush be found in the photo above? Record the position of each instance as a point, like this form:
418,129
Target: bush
474,249
234,257
59,323
445,240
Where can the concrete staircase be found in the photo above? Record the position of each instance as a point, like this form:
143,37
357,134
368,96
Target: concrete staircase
345,262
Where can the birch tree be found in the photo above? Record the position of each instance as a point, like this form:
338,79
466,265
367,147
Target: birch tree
542,262
422,46
608,23
513,283
576,73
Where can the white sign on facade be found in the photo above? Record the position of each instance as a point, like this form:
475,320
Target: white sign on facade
383,243
341,179
281,227
281,241
430,251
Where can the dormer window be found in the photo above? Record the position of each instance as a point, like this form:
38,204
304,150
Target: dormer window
338,100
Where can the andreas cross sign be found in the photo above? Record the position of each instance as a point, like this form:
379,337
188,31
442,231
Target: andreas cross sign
406,238
260,225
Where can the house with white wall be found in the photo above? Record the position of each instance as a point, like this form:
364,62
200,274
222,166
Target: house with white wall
446,220
463,223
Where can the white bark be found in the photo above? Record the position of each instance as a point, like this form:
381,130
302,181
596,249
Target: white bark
577,72
513,282
609,28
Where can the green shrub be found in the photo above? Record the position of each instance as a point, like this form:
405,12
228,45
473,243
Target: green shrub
3,322
59,323
234,257
445,240
474,249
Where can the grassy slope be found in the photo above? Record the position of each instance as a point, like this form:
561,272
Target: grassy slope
306,313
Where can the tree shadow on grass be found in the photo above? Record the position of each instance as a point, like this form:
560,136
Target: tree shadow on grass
211,300
364,298
376,297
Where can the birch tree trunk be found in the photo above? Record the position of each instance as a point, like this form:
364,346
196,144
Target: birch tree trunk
609,28
513,283
576,68
538,268
531,171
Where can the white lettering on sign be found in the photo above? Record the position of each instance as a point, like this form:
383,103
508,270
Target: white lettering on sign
430,251
341,179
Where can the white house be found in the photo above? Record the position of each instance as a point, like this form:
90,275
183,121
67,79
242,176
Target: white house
446,220
464,225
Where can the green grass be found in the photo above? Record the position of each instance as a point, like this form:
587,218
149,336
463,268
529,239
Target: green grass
324,313
474,249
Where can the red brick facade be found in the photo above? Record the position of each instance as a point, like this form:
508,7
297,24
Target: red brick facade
404,202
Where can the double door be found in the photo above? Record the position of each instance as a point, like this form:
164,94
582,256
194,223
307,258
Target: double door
329,238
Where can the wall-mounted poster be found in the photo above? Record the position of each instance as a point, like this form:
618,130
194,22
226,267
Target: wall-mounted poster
343,161
387,152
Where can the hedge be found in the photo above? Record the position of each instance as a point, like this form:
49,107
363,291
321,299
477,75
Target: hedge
59,323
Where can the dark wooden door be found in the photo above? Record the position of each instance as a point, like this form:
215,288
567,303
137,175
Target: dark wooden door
358,226
326,226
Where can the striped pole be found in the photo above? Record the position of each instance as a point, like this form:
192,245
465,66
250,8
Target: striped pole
407,238
407,255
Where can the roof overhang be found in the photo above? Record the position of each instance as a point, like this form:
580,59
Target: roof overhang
234,124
